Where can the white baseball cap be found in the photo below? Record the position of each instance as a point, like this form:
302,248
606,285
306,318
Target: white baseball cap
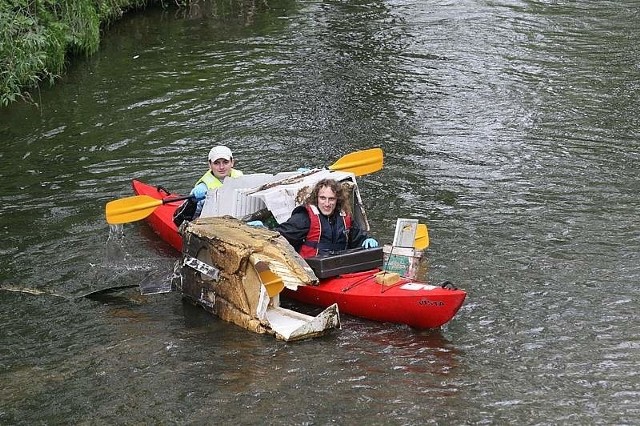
220,151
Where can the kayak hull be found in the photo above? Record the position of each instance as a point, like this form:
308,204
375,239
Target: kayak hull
161,220
360,294
415,304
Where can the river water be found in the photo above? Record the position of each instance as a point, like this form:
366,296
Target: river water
510,127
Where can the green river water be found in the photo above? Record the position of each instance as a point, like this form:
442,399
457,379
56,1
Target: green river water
510,127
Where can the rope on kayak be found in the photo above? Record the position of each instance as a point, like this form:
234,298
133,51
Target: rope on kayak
357,283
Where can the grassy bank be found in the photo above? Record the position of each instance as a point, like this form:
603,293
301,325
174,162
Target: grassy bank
37,37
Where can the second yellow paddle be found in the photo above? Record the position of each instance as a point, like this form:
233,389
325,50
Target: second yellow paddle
421,240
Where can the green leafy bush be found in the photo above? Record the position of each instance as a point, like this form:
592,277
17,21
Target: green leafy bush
37,35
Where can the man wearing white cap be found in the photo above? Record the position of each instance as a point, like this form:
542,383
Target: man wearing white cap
220,167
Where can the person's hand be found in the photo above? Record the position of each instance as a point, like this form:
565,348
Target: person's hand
256,223
199,191
369,243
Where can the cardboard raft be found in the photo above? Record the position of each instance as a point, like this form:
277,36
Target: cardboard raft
237,272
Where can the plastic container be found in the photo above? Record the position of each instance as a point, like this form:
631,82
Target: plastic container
402,260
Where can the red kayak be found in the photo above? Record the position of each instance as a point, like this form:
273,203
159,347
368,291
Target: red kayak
406,301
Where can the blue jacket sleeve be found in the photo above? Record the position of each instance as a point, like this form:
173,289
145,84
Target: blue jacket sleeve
296,228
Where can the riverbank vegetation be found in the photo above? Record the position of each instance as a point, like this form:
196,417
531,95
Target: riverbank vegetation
37,37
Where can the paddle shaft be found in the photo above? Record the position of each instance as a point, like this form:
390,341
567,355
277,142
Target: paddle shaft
139,207
149,204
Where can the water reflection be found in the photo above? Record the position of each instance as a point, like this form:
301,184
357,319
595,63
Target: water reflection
411,351
510,128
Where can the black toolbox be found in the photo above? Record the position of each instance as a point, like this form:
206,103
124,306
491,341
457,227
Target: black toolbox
347,261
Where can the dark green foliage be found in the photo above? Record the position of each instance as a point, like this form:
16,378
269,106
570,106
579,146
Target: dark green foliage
37,35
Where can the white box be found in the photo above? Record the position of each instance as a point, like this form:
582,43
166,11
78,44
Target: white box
405,232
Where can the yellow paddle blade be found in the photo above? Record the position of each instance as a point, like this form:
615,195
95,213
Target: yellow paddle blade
130,209
360,163
421,241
